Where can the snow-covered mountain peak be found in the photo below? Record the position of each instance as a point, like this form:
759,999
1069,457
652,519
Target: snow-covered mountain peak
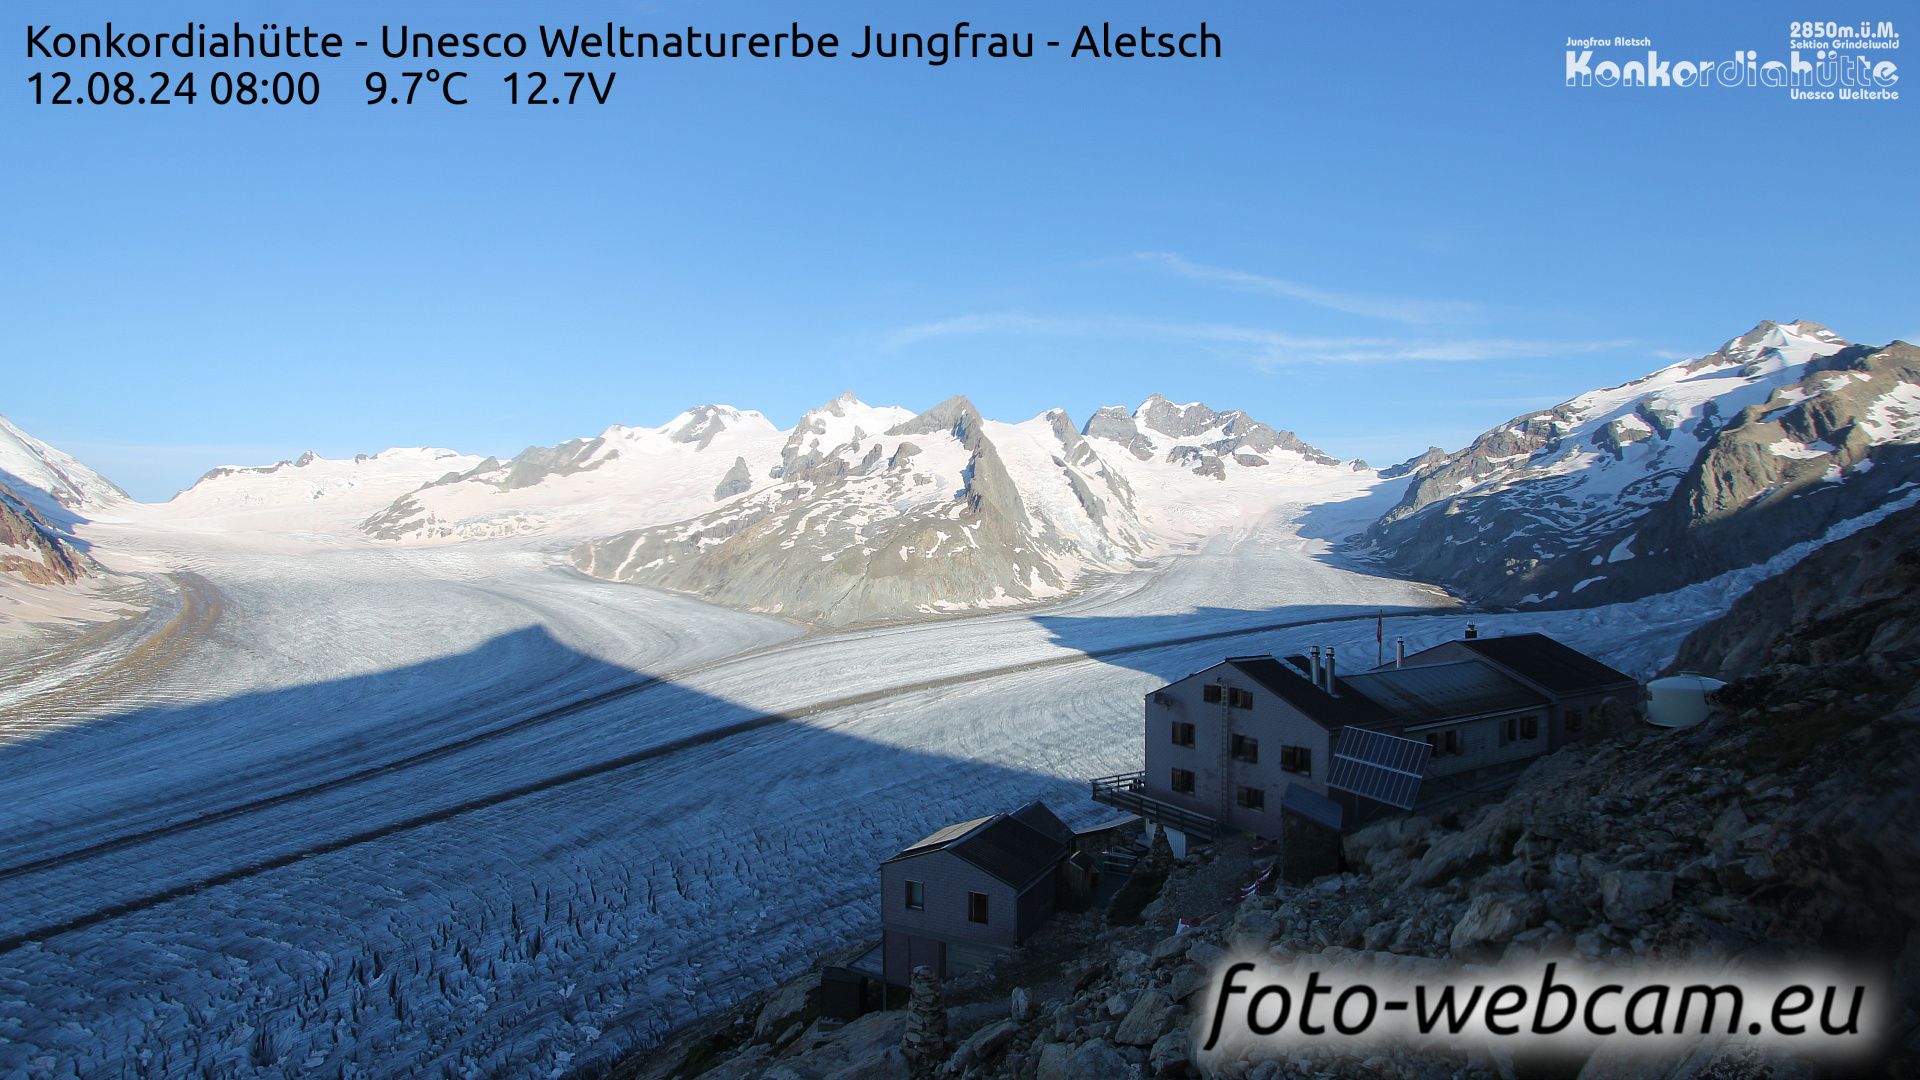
55,483
311,493
700,425
1778,425
956,415
1194,435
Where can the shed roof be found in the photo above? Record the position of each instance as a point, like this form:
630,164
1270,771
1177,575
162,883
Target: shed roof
1545,662
1444,691
1017,848
1037,817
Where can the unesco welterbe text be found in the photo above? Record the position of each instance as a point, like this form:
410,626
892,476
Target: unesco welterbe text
961,41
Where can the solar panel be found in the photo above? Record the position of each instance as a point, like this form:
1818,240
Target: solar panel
1384,768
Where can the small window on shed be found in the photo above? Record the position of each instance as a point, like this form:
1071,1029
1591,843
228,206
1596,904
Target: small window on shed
1573,721
916,896
977,907
1530,727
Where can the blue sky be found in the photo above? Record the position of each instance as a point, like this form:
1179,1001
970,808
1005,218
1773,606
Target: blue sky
1382,226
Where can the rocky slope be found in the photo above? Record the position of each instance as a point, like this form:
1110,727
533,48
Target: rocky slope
32,549
1702,467
44,493
1855,601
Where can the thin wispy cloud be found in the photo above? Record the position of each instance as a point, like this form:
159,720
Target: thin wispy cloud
1407,310
1261,347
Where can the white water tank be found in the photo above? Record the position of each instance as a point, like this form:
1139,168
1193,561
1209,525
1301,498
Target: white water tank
1679,701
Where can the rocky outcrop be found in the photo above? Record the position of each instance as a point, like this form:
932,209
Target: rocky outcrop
1700,468
738,481
32,549
1854,603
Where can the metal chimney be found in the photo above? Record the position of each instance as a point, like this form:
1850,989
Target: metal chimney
1330,683
1471,632
1399,651
1313,664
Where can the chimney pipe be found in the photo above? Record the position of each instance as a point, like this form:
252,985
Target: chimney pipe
1313,665
1399,651
1330,683
1471,632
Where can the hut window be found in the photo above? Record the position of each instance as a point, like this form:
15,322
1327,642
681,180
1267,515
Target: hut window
1246,749
977,907
1182,733
1183,781
916,896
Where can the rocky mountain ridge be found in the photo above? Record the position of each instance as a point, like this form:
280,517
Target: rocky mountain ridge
1702,467
878,514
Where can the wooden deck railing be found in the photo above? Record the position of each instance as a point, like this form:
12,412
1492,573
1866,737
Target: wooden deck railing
1127,791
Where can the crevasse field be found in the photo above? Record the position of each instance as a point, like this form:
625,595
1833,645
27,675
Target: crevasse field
340,809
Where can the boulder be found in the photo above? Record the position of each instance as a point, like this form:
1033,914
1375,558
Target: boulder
1095,1060
1727,827
1146,1021
1493,918
1052,1064
1020,1005
984,1044
1450,854
1170,1054
788,1004
1205,953
1630,897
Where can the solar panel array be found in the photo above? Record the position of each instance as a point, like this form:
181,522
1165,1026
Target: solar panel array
1384,768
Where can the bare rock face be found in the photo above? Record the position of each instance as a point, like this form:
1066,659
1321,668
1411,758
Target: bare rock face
32,549
1697,469
738,480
